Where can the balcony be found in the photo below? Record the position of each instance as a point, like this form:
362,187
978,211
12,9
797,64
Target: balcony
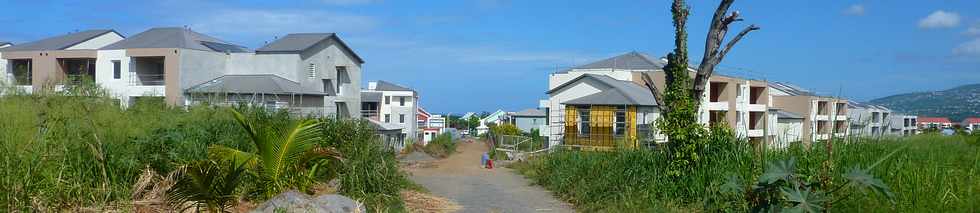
370,114
147,71
137,79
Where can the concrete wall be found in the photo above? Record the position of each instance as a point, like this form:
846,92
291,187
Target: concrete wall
121,88
528,123
395,109
326,56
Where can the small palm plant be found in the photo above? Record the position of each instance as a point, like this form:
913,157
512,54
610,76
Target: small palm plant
285,157
206,183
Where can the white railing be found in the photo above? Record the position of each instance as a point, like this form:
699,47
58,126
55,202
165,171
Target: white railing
136,79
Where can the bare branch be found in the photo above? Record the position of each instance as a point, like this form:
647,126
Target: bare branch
653,89
728,47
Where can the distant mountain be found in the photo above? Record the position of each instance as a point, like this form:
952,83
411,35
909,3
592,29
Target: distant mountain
956,103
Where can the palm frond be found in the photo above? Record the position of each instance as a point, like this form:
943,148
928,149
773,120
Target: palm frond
237,157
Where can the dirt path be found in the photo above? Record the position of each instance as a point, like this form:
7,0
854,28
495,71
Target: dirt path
461,179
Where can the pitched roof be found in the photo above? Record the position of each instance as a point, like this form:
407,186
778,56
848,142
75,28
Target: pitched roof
388,86
5,43
175,37
298,42
971,120
251,84
791,89
859,105
923,119
631,60
59,42
530,113
620,92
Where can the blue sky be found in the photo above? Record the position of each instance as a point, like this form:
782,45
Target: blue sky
481,55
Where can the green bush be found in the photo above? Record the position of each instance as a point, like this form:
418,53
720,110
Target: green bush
933,173
442,146
62,151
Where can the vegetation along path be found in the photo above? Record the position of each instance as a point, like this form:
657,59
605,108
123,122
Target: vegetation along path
461,178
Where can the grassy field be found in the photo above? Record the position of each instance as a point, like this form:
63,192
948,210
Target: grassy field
63,152
929,173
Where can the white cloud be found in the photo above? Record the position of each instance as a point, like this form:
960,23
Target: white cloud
267,23
348,2
854,10
970,48
940,19
973,30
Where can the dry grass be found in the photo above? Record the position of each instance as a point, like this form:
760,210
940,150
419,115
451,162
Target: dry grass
420,202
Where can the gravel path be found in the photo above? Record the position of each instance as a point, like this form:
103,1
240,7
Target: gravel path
461,179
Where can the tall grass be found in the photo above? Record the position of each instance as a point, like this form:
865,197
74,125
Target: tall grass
933,173
61,151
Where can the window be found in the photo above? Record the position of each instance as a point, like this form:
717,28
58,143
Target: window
387,100
620,121
311,69
583,127
387,118
401,118
401,101
328,87
116,69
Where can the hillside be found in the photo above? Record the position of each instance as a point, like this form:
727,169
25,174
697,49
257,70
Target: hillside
956,103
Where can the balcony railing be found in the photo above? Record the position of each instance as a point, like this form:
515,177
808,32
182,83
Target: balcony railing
146,79
78,79
368,113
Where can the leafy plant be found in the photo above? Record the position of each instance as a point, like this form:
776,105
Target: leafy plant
781,187
208,184
285,156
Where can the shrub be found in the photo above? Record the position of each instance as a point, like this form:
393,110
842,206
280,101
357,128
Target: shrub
442,146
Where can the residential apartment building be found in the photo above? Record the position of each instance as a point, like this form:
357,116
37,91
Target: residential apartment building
869,120
904,125
600,111
823,116
934,123
310,73
529,119
392,104
785,128
740,103
56,61
4,71
971,124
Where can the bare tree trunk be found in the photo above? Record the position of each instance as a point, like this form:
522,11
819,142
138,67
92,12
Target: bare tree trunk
713,54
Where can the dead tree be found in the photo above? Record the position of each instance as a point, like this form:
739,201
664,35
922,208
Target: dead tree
713,52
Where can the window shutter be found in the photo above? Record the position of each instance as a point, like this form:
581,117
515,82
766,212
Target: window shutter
311,69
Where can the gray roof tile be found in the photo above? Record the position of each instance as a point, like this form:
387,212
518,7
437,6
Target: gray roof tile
791,89
621,92
298,42
251,84
630,61
175,37
787,115
388,86
59,42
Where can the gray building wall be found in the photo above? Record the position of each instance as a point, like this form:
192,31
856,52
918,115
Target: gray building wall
528,123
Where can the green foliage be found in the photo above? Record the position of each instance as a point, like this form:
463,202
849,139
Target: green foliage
505,129
442,146
286,156
208,184
925,173
62,152
956,103
369,173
